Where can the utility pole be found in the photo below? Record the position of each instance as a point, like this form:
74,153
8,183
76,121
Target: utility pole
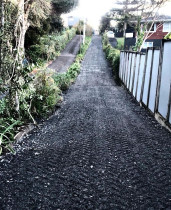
84,30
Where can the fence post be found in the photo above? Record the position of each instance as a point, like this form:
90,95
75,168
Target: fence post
130,72
159,79
149,86
126,69
134,73
143,80
138,76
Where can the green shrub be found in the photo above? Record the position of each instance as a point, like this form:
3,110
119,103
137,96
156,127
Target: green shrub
120,43
47,93
7,133
63,81
7,127
49,46
113,55
39,93
74,70
3,106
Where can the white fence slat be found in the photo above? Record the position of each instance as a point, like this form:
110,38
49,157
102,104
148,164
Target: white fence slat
140,78
147,77
132,72
126,67
154,77
121,61
129,69
165,80
136,74
120,64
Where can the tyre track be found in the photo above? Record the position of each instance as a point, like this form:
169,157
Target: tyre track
99,151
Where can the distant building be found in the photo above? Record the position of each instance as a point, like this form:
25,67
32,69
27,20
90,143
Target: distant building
160,28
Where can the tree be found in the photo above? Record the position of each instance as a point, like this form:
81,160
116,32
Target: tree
105,23
16,17
133,11
38,10
64,6
149,14
80,28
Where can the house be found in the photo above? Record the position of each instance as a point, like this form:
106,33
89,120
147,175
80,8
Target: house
160,28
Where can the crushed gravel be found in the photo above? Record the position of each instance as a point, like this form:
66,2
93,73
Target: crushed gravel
100,150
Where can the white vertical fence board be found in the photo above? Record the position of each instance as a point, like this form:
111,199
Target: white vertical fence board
124,65
125,70
140,78
165,80
129,68
122,62
136,74
127,65
132,72
154,80
147,77
120,65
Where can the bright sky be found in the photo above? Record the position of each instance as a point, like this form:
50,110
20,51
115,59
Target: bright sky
93,10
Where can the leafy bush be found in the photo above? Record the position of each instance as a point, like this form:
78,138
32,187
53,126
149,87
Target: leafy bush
120,43
39,93
40,96
49,46
63,81
7,127
113,55
2,106
7,132
47,93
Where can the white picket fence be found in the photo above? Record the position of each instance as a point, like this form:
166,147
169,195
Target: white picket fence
148,77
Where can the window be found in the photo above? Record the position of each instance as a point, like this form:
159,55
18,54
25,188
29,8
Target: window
167,27
153,29
147,44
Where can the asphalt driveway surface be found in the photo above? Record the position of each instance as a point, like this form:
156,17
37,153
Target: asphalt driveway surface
67,56
100,150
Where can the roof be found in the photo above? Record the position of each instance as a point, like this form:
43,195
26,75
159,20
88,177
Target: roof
160,18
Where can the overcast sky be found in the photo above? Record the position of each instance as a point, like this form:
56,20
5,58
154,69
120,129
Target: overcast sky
95,9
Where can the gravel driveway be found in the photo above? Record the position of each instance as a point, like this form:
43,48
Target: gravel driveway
100,150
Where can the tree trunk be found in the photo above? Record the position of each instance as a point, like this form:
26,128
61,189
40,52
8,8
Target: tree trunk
22,26
2,30
20,32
